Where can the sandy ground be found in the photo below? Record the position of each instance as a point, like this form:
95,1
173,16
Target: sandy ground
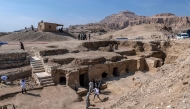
40,98
145,30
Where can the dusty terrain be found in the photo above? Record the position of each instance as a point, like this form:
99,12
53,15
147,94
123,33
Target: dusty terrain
36,36
167,88
145,30
127,18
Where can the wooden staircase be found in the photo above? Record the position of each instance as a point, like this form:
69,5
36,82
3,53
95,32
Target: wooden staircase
39,74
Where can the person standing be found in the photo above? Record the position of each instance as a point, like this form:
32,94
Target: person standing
87,100
23,85
85,38
4,79
96,93
89,37
79,36
99,85
22,45
91,85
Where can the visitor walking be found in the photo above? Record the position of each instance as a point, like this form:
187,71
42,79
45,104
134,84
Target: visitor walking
23,85
96,93
22,45
91,85
87,100
4,79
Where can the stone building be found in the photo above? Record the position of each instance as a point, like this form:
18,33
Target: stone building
48,27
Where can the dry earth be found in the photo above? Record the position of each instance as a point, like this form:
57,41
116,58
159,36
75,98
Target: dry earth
145,30
166,89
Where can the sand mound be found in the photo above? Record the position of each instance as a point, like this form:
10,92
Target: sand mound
36,36
145,30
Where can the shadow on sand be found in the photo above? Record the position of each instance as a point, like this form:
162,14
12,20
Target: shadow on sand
36,95
105,99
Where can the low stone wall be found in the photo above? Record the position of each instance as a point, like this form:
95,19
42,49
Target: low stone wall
17,73
96,44
150,47
13,59
48,51
128,52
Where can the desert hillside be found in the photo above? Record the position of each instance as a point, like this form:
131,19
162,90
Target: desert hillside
126,18
36,36
145,30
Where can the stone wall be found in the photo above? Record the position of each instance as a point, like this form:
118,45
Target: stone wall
17,73
96,44
123,67
13,59
152,64
48,51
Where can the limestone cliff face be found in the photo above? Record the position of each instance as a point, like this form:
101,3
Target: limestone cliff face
127,18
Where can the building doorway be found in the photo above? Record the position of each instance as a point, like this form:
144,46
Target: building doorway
158,63
115,72
104,75
83,78
127,70
62,80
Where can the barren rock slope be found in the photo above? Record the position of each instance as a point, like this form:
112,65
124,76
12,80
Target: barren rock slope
126,18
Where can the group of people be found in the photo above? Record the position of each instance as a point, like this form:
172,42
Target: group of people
5,78
60,30
94,86
83,36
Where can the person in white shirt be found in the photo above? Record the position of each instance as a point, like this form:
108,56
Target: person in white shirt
4,79
23,85
96,93
91,85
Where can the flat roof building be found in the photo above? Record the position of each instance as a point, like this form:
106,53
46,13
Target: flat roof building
48,27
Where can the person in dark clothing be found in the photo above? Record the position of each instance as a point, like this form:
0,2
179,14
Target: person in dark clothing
96,84
99,85
85,38
93,82
89,37
79,37
22,45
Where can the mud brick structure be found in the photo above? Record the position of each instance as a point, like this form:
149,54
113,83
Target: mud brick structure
13,59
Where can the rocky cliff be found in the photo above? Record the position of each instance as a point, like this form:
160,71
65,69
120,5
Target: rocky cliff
126,18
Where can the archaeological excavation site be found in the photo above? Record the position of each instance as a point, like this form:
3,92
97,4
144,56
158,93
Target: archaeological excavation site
133,73
125,61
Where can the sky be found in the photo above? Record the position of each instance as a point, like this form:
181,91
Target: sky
18,14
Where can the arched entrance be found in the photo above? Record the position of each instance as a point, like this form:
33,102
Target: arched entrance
104,75
62,80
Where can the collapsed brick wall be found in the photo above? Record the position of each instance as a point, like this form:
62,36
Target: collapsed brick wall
13,59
